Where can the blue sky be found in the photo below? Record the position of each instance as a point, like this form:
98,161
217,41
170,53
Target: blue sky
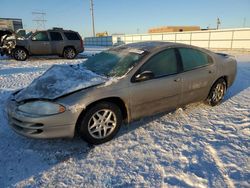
129,16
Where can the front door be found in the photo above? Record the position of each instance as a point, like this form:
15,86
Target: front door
40,44
162,91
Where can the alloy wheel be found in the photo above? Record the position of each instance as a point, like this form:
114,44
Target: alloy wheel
70,53
218,93
20,54
102,124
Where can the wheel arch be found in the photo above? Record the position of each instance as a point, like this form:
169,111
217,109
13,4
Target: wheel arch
116,100
23,47
69,46
222,77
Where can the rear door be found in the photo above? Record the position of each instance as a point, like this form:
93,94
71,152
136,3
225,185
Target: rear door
73,39
162,92
197,76
40,43
57,43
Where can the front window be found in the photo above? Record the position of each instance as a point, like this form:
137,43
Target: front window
113,63
162,64
40,36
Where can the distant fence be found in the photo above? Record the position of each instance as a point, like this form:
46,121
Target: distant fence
99,41
214,39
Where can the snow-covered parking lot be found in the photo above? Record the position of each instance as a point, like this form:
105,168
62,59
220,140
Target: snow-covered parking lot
196,146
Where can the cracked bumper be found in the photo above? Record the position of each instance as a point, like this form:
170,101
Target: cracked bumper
53,126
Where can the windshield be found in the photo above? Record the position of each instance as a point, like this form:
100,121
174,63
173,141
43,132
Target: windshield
113,63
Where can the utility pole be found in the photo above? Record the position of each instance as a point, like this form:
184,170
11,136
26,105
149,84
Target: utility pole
92,15
244,22
218,23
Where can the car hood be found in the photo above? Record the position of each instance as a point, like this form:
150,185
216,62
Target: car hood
60,80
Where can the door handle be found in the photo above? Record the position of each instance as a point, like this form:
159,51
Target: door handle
210,71
177,79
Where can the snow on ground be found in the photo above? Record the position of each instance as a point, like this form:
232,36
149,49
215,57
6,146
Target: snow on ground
197,146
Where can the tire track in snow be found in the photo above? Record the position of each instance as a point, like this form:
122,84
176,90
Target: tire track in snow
213,153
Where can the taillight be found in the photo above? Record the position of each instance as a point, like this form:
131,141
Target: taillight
81,43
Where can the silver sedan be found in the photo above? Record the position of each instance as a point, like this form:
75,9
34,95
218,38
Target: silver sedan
121,84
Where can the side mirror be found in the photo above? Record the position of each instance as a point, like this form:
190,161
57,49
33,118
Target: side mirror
146,75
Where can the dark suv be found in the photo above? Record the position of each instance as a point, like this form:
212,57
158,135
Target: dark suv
57,41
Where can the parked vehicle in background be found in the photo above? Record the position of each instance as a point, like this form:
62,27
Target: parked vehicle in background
56,41
121,84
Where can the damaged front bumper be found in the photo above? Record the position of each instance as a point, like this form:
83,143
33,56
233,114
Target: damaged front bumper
7,46
52,126
5,51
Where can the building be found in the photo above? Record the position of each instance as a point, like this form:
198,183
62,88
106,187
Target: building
167,29
11,23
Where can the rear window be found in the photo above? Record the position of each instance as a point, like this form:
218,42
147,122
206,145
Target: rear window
71,36
192,58
55,36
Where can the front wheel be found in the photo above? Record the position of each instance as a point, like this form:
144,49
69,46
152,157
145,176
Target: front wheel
69,53
20,54
217,92
100,123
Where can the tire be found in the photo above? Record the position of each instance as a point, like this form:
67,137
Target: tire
20,54
217,92
102,118
69,53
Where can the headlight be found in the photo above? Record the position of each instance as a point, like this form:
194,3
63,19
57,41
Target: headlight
41,108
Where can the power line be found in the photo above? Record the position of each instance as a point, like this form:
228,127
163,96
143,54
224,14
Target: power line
39,19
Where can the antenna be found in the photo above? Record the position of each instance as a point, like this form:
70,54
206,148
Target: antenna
92,15
39,19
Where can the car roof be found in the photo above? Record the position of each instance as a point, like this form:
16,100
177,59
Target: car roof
149,46
56,30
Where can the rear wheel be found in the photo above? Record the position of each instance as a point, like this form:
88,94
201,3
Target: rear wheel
20,54
69,53
100,123
217,92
